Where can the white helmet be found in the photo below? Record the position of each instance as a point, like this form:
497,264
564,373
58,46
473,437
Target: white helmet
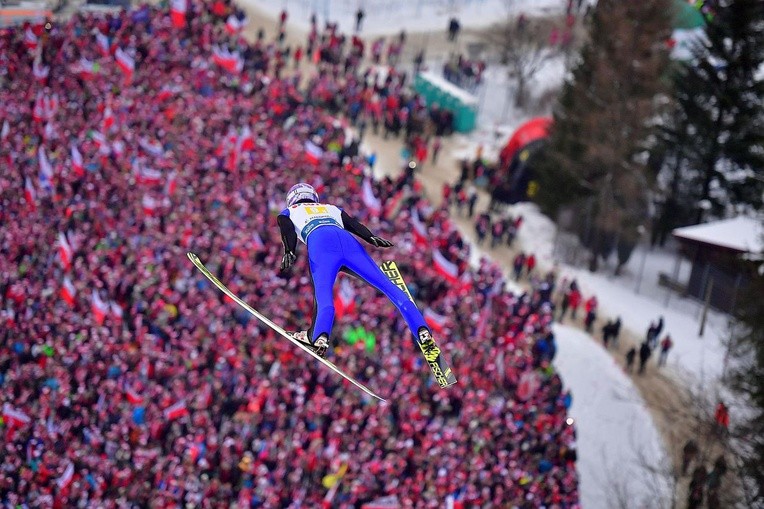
300,192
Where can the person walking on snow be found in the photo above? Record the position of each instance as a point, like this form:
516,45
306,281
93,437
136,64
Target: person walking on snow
326,231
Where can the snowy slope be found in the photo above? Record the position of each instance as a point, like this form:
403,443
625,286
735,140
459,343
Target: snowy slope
616,436
391,16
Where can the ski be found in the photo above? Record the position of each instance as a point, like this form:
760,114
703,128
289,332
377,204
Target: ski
199,265
432,353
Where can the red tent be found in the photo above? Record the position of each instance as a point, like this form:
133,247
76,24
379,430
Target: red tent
530,131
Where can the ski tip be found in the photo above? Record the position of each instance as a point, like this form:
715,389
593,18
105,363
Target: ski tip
192,256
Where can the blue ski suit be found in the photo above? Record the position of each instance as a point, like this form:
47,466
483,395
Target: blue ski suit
326,230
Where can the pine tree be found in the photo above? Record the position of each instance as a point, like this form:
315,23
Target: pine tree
712,143
746,378
594,161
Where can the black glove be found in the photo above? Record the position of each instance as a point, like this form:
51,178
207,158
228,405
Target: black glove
288,260
380,242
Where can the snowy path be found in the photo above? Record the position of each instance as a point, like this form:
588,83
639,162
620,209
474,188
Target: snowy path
616,436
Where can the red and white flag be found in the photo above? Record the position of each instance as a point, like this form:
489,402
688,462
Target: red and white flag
40,71
445,268
230,61
344,300
454,502
5,131
100,308
30,39
171,184
64,251
178,13
68,292
14,418
246,139
126,63
168,91
100,140
66,478
108,118
153,147
436,321
78,167
30,194
149,205
233,25
84,68
175,411
148,176
371,201
419,230
103,44
133,397
313,152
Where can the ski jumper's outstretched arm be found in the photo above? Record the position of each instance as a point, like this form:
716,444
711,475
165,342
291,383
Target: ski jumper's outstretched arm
354,226
289,239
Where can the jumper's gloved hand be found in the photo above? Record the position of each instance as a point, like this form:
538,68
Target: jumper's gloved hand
380,242
288,260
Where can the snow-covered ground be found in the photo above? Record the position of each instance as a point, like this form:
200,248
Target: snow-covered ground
618,444
391,16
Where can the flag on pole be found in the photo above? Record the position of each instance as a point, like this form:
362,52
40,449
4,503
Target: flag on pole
175,411
419,230
436,321
5,131
246,139
126,63
445,268
171,184
178,13
149,205
313,152
64,251
133,397
108,118
30,194
371,201
344,300
103,44
68,292
14,418
65,480
40,71
30,39
230,61
78,167
233,25
100,308
84,68
116,311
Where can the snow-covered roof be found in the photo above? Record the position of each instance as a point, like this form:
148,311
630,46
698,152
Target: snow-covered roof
745,234
440,82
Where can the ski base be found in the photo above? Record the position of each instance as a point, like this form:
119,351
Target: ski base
430,350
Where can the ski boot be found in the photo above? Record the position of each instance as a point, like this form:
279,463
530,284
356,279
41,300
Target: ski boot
319,346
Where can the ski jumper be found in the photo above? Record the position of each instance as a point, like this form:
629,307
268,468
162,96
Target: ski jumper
326,230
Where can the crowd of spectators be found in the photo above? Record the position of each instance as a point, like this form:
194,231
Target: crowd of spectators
126,380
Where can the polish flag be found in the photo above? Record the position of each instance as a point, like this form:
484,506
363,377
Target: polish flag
454,502
100,308
116,312
14,418
175,411
39,110
344,300
30,194
152,147
371,201
233,26
436,321
313,152
84,68
229,61
247,139
77,165
171,184
30,39
5,131
126,63
45,166
100,140
445,268
68,292
108,118
66,478
419,230
64,251
178,13
149,176
133,397
149,205
103,44
168,91
40,71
